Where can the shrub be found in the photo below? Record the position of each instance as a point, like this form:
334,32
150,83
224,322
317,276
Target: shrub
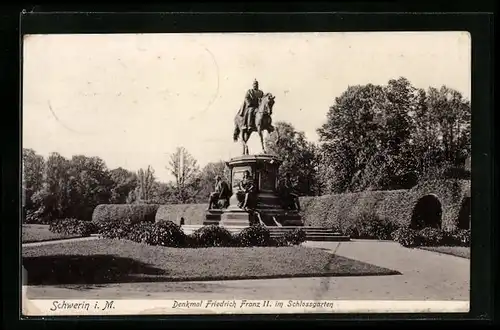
113,229
162,234
256,235
351,231
430,236
460,237
280,240
212,236
373,227
336,229
131,213
140,232
72,226
406,237
191,241
295,237
33,217
165,234
464,236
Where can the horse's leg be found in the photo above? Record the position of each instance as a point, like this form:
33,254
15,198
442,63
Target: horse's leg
247,138
244,139
243,143
261,135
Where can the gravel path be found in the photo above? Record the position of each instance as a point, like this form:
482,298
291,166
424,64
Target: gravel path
57,241
425,275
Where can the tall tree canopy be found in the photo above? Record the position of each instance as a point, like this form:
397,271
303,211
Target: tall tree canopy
32,176
298,156
385,137
184,167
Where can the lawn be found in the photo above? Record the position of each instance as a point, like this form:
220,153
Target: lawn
40,233
458,251
116,261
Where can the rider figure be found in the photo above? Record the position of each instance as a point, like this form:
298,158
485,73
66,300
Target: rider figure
252,101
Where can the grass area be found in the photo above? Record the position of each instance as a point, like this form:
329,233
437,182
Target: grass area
41,233
458,251
115,261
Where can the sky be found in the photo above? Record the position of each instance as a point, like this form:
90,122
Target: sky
131,99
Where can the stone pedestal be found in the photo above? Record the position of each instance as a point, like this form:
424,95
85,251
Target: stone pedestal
264,170
212,217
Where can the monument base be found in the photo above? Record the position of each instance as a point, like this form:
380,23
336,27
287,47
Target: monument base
237,218
212,217
269,218
267,202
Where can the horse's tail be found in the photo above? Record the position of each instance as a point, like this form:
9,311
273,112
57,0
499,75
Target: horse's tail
236,133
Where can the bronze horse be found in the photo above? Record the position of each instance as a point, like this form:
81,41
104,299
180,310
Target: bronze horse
263,122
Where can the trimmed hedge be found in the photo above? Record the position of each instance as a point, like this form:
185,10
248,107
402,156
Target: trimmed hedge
369,214
352,213
193,214
130,213
347,213
451,194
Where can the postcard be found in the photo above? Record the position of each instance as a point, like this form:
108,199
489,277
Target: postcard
239,173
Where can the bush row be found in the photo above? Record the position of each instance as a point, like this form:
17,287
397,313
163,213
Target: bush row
72,226
370,226
169,234
431,237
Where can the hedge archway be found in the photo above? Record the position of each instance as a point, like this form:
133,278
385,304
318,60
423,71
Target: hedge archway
427,212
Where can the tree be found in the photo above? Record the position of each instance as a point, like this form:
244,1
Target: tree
451,115
185,170
386,137
145,189
94,180
207,179
124,182
72,188
32,177
336,167
298,156
165,193
52,201
351,136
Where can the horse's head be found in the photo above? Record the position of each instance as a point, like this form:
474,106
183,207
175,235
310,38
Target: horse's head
266,103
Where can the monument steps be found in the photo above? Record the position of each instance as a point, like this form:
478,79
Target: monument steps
312,233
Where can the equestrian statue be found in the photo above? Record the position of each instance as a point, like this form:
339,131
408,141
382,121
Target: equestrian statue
254,116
